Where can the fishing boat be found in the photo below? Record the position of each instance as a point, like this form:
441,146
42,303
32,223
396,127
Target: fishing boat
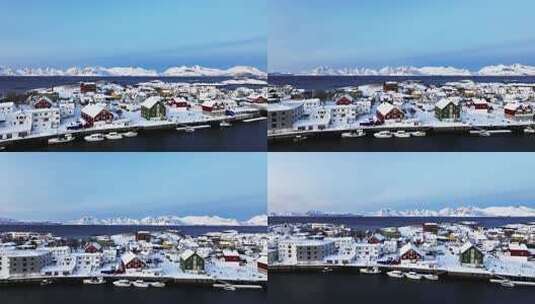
353,134
326,269
430,277
395,274
189,129
122,283
2,148
402,134
383,134
94,137
94,281
157,284
130,134
113,136
418,133
140,284
413,275
61,139
529,130
225,124
46,282
299,138
370,270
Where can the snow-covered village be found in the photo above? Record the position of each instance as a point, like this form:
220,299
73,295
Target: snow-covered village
104,110
402,109
226,259
431,251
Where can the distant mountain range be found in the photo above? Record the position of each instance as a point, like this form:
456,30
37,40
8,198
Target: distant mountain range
506,211
182,71
493,70
170,220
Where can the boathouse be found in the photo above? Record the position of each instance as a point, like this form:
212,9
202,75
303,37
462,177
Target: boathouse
91,114
387,112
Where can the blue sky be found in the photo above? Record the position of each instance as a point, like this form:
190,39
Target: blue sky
152,34
373,33
63,186
366,182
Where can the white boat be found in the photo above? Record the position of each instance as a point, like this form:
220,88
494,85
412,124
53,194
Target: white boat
370,270
402,134
2,148
61,139
418,133
157,284
229,287
46,282
94,137
353,134
507,283
484,133
225,124
395,274
113,136
413,275
122,283
326,269
94,281
383,134
140,284
299,138
130,134
189,129
529,130
430,277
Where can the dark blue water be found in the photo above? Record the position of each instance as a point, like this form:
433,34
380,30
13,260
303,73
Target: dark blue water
85,231
372,223
80,294
241,137
23,84
335,287
333,82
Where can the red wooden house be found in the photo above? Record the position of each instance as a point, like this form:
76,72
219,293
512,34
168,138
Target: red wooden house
409,252
231,256
518,110
178,102
92,248
130,261
344,100
95,113
518,250
43,103
388,112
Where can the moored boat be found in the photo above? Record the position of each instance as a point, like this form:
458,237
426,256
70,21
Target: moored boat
157,284
529,130
402,134
113,136
413,275
140,284
395,274
418,133
383,134
122,283
430,277
353,134
94,281
370,270
299,138
45,282
61,139
225,124
2,148
130,134
326,269
94,137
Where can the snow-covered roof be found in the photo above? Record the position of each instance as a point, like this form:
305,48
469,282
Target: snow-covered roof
151,101
93,110
407,247
444,102
466,246
385,108
187,254
127,257
516,246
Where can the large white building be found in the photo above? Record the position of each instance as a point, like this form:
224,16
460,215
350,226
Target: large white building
305,251
23,263
45,119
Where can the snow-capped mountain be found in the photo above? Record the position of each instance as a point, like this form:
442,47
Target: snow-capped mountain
170,220
507,211
182,71
494,70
